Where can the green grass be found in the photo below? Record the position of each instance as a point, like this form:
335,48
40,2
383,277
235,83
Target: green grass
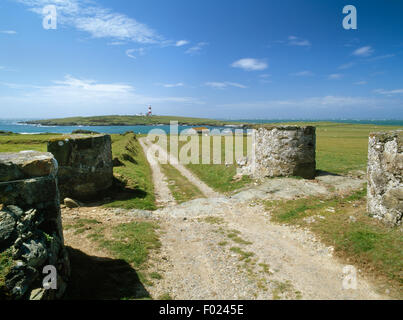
138,192
81,225
363,241
243,255
181,188
6,262
217,176
116,120
165,296
234,236
20,142
132,242
135,174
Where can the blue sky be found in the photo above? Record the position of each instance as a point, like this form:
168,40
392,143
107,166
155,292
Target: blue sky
221,59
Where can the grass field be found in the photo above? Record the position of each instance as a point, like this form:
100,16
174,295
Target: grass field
341,148
137,190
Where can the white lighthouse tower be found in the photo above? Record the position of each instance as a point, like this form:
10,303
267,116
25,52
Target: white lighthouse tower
149,113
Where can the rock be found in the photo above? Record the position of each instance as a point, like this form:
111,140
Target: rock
19,279
34,253
85,165
37,294
282,151
30,222
70,203
7,228
26,164
385,177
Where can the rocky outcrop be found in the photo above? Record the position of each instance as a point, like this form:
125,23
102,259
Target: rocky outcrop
31,235
385,176
85,165
281,151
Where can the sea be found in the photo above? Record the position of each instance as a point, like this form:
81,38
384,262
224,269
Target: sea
17,126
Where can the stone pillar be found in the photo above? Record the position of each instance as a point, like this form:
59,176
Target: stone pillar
31,234
385,176
284,151
85,165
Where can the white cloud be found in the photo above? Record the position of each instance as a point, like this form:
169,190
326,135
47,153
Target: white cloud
295,41
250,64
116,43
8,32
197,48
363,51
305,73
346,66
99,22
181,43
173,85
385,56
223,85
335,76
389,92
71,93
139,51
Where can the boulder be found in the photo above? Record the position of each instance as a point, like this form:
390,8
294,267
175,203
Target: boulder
85,165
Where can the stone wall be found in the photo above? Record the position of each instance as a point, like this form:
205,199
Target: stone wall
85,165
283,151
385,176
31,234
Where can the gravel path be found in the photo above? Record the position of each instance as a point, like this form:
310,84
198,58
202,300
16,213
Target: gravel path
163,196
204,188
227,248
285,262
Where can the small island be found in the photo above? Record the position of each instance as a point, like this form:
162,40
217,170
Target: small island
117,120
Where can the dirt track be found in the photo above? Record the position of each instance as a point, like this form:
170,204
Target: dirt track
283,262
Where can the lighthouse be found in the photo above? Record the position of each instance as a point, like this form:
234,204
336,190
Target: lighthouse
149,113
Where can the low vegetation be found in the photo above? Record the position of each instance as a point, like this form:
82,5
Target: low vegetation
358,239
181,188
129,245
134,175
6,263
116,120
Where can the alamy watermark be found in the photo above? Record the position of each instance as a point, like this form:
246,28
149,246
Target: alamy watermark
50,280
49,21
201,147
350,20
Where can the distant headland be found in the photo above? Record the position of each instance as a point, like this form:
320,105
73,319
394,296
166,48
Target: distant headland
117,120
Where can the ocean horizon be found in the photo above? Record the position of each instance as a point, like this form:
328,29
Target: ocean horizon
16,125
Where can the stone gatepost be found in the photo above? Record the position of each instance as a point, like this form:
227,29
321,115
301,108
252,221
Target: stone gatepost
385,176
283,151
31,234
85,165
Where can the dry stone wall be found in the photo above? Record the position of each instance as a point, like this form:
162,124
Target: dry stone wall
31,235
385,176
85,165
283,151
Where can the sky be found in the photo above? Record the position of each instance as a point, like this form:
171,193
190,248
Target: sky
227,59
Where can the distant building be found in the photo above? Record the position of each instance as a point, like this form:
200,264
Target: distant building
201,130
150,112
